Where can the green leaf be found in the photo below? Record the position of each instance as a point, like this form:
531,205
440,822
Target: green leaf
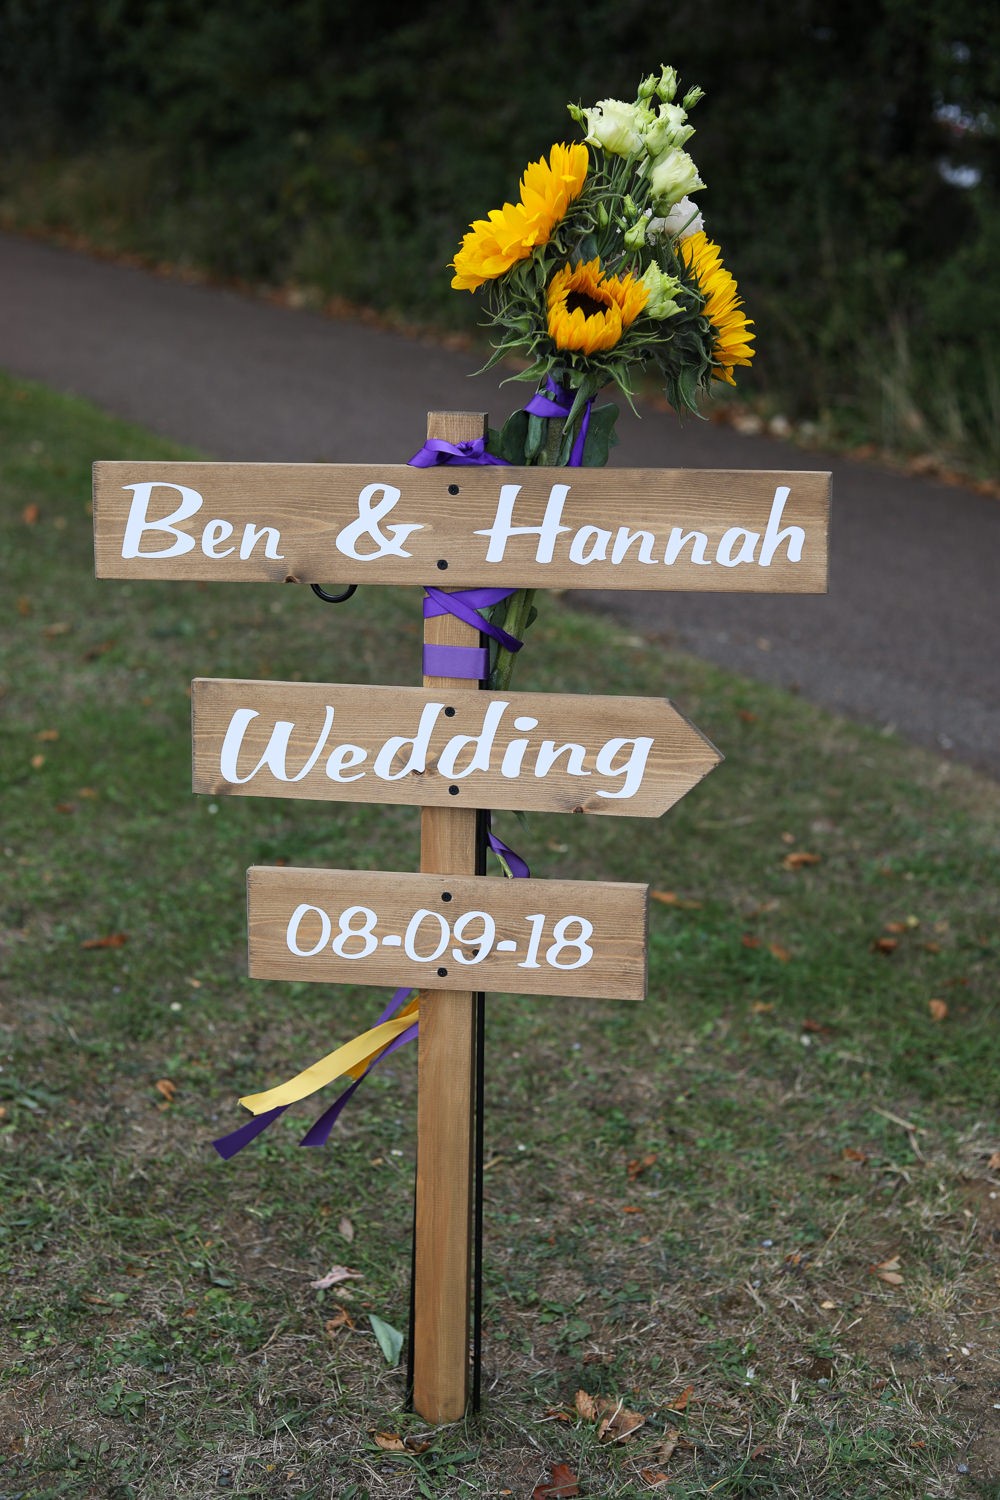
390,1340
601,436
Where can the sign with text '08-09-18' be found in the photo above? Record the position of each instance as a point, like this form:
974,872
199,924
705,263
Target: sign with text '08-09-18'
754,531
444,932
537,752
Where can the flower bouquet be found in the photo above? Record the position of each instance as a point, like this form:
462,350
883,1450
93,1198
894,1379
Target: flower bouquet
603,269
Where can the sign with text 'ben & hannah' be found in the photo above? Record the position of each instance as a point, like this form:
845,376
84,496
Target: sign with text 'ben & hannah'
735,531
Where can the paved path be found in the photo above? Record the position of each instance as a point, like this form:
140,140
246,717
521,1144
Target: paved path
907,635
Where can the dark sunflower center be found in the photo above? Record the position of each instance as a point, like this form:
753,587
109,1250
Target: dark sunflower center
580,302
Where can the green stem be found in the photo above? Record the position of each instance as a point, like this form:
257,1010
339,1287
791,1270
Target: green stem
515,623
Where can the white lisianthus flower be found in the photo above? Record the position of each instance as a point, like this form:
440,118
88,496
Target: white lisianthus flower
662,290
681,222
673,176
617,127
667,130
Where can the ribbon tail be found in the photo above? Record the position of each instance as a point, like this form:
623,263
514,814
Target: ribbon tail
228,1145
361,1049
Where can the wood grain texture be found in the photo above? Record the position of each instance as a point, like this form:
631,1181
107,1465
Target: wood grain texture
302,514
590,936
602,760
446,1043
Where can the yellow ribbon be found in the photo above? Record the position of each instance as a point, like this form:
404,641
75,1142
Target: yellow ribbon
352,1058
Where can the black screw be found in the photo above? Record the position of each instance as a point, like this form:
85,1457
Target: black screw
446,895
453,791
442,565
449,713
442,973
453,489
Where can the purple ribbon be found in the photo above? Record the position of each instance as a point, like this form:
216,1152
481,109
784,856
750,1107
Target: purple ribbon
436,451
557,401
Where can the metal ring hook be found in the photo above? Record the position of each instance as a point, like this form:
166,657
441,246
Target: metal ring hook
321,593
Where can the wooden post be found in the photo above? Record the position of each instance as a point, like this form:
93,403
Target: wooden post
442,1258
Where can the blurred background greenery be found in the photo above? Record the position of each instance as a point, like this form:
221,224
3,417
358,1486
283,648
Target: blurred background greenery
851,154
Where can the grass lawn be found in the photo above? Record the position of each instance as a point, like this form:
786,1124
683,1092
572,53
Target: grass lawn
760,1209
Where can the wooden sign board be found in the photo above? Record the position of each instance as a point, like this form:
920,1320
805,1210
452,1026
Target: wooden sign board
739,530
444,932
539,752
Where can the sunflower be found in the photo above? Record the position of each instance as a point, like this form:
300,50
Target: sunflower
722,306
509,234
589,311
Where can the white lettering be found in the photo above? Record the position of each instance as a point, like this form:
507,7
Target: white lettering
416,761
295,922
389,543
773,538
502,530
275,752
633,768
341,758
214,533
599,549
253,534
727,541
483,742
549,752
624,539
138,522
678,539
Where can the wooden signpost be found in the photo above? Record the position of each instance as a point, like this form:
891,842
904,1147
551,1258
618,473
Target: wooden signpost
451,749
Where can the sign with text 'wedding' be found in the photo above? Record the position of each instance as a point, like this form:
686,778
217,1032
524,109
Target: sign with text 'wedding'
443,932
740,530
539,752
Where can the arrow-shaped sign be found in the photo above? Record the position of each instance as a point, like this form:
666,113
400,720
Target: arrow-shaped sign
541,752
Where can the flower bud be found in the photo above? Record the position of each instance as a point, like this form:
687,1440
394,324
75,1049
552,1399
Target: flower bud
662,290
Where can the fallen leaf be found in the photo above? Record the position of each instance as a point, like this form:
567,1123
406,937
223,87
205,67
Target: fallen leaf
24,606
818,1027
682,1400
664,1450
93,652
65,807
630,1208
888,1270
895,927
346,1229
562,1485
30,514
557,1414
391,1442
47,735
585,1406
57,628
37,762
827,1305
112,940
938,1009
799,858
820,1369
341,1319
749,941
640,1164
619,1423
671,898
931,947
761,1007
335,1274
167,1088
747,716
851,1153
779,952
993,1165
885,945
653,1478
88,792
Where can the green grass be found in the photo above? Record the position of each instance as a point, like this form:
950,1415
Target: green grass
687,1193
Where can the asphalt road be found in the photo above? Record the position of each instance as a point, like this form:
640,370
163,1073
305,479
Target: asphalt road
907,635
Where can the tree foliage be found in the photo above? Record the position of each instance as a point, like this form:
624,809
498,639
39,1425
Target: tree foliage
851,153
